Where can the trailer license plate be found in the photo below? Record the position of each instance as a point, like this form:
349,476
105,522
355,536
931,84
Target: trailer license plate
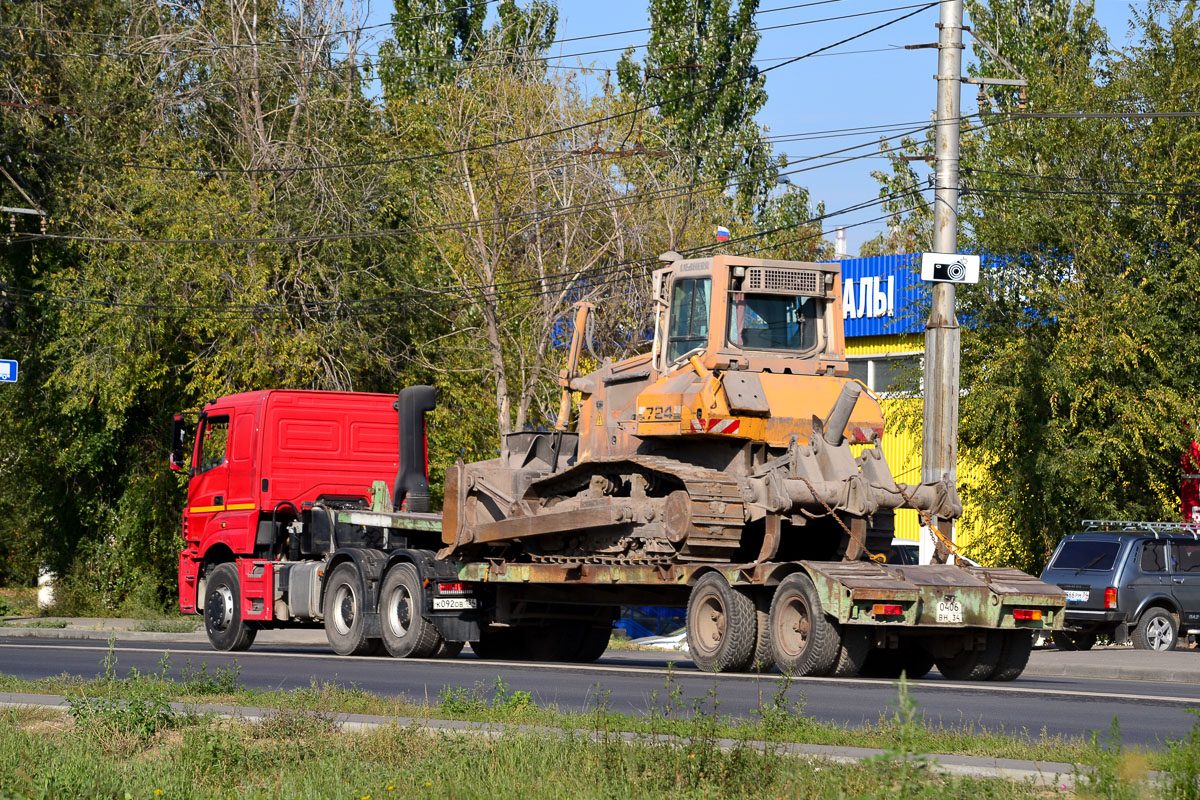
949,610
1076,596
454,603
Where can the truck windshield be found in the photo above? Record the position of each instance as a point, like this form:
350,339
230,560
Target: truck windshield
688,328
772,322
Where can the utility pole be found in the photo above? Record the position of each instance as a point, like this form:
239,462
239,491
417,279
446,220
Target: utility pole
939,451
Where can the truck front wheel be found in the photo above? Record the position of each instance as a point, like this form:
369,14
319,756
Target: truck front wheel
344,617
223,611
406,632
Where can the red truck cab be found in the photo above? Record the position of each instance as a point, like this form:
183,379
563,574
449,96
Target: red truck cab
258,458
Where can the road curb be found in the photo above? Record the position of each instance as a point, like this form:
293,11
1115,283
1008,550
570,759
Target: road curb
1039,773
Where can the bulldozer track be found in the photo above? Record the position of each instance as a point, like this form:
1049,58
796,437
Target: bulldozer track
717,506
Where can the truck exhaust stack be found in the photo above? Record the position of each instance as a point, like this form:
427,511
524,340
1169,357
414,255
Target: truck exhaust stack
411,482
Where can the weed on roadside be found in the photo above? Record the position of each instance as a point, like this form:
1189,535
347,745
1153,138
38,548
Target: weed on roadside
1119,773
1181,765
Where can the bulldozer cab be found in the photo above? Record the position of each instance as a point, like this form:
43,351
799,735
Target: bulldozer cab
748,314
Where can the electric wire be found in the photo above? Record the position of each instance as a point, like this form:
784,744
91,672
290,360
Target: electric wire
587,123
664,193
481,293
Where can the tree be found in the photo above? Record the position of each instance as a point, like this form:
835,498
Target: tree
1078,368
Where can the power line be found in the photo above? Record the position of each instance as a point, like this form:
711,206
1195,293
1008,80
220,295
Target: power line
217,46
510,289
664,193
587,123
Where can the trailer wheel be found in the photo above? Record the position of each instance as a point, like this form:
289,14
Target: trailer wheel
1070,640
344,613
498,644
882,662
406,631
764,657
721,626
973,665
856,643
804,640
223,611
594,643
1014,655
915,659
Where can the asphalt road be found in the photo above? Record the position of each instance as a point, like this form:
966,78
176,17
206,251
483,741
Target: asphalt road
1149,713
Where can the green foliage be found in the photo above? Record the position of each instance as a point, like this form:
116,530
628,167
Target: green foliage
1079,387
1181,766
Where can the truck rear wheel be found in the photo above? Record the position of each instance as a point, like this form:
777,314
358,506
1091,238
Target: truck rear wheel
973,665
804,640
1014,655
344,616
223,611
722,627
406,631
448,649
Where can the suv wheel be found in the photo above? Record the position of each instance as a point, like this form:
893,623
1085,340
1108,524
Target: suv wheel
1155,630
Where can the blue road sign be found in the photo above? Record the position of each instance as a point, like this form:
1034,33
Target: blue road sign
8,371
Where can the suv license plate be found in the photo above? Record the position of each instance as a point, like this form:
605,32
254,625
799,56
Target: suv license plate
454,603
949,610
1077,596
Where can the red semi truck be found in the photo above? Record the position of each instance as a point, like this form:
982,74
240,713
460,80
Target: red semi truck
715,473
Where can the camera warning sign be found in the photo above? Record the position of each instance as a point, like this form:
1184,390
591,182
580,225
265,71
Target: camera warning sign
949,268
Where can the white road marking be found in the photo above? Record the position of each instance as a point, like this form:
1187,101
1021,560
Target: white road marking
977,686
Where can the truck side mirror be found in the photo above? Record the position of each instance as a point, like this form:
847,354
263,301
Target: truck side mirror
179,440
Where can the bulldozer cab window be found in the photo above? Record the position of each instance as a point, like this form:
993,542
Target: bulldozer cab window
688,328
773,322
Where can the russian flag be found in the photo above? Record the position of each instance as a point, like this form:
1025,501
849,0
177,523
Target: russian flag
722,233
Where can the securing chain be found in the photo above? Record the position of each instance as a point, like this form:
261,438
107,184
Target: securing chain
877,557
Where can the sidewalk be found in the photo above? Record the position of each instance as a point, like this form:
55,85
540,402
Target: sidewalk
1109,663
1040,773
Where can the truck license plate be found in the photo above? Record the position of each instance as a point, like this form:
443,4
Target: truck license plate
454,603
949,610
1077,596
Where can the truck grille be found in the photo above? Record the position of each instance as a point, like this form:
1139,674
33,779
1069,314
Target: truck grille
789,281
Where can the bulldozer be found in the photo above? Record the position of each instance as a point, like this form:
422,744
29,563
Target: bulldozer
731,441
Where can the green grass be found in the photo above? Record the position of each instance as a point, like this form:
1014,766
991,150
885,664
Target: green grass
779,717
122,739
36,623
301,755
169,625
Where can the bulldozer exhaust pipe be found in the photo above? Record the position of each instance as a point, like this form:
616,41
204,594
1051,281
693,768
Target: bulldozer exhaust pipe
834,429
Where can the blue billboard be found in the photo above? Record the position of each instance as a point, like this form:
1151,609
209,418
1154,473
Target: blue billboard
883,295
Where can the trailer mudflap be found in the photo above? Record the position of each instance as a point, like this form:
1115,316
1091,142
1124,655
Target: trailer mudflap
256,580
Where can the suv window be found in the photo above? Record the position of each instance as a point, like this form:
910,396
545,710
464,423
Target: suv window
1084,554
1187,556
1154,557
